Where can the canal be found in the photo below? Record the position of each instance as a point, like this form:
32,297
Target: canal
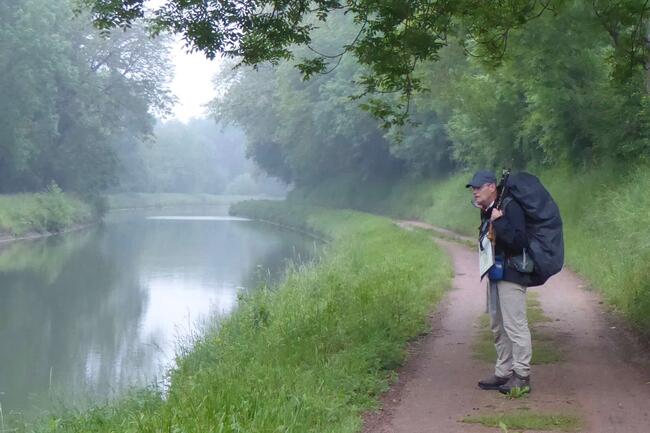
87,315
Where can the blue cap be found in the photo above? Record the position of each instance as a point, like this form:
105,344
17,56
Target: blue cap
480,178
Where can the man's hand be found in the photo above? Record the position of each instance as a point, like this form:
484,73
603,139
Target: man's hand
496,214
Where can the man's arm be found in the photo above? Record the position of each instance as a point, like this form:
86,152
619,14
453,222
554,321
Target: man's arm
510,228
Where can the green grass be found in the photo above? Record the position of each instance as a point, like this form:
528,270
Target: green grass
526,420
545,349
607,236
50,211
308,356
136,200
434,201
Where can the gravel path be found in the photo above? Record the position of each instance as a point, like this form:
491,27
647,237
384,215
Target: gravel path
604,377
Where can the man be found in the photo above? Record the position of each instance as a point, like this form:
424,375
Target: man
506,296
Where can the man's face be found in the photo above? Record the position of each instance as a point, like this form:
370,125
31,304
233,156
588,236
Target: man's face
484,195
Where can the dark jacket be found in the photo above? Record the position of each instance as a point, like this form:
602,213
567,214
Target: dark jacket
510,233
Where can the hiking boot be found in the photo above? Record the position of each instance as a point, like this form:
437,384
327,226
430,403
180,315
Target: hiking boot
492,382
516,384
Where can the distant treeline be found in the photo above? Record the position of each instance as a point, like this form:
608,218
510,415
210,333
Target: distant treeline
197,157
557,96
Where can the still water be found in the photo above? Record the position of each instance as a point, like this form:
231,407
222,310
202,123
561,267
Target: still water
90,314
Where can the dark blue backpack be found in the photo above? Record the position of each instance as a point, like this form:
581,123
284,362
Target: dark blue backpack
543,225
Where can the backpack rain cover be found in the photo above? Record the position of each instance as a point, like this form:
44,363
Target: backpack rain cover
543,225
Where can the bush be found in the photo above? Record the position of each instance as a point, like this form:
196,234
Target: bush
55,211
49,211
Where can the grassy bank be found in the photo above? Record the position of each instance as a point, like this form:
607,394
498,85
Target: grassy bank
606,214
443,202
307,356
137,200
51,211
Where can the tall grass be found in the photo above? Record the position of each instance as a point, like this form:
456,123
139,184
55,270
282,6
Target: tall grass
607,220
49,211
307,356
444,201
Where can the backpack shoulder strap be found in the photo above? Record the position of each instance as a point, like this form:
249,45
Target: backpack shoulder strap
506,201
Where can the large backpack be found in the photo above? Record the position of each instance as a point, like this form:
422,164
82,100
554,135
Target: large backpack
543,225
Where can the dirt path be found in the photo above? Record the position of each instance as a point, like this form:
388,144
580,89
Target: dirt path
604,377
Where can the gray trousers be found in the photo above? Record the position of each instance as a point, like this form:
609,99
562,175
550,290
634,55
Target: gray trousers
507,310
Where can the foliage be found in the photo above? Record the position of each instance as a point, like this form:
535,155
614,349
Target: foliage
68,94
303,132
307,356
49,211
392,38
598,241
553,98
197,157
57,212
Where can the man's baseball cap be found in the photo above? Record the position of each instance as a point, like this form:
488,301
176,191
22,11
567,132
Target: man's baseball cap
480,178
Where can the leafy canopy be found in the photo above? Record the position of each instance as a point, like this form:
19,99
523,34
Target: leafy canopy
393,36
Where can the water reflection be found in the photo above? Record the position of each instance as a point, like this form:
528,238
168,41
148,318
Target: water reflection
95,312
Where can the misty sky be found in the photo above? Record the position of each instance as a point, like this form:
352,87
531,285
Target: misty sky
192,82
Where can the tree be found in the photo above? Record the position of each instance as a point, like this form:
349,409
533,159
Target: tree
552,100
304,132
69,95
